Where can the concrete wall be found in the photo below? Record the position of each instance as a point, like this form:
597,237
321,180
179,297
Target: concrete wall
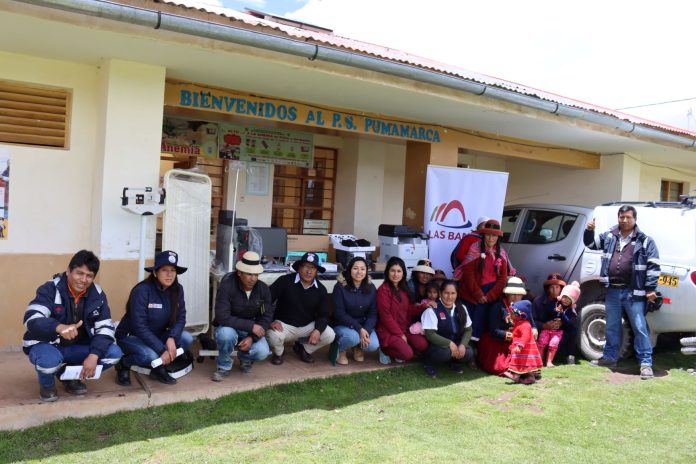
532,182
51,189
131,109
63,200
369,186
391,157
346,185
651,178
620,177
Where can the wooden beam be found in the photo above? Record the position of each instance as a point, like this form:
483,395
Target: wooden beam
522,149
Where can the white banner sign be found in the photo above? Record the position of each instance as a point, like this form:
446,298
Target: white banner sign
454,199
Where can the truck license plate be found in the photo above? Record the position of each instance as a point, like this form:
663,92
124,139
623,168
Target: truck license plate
668,280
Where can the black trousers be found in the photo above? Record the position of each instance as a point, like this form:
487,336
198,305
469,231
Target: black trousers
441,355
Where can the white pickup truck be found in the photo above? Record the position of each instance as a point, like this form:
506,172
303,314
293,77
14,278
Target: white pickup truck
542,239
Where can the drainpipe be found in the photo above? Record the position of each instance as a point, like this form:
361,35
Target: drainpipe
226,33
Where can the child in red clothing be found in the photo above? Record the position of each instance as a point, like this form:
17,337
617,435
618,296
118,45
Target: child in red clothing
565,312
432,293
525,360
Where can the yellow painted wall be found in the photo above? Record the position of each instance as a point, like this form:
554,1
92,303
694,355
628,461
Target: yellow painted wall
130,133
51,189
24,273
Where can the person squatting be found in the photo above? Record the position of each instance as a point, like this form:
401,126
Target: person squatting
484,318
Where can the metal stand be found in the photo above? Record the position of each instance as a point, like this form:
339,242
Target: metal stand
145,203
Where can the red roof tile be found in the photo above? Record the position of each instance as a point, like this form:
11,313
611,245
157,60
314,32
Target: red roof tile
392,54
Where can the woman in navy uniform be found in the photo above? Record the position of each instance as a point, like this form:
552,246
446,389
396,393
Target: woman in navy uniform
153,326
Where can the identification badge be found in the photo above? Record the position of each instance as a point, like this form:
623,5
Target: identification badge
155,306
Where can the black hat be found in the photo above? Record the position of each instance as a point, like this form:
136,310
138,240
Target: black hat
180,364
165,258
311,258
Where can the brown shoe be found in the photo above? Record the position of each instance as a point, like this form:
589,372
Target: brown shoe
358,355
302,353
277,359
342,359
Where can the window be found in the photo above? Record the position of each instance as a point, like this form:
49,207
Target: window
33,115
303,198
546,226
509,222
670,190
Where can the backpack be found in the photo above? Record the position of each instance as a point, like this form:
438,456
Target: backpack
454,262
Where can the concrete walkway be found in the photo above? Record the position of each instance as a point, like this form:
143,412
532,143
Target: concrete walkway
20,406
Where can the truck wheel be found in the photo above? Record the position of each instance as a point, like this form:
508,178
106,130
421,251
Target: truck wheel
592,332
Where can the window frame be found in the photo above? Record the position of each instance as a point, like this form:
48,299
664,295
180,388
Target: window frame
35,115
304,177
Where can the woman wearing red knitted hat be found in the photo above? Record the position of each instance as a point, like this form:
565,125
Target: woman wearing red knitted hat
543,309
484,273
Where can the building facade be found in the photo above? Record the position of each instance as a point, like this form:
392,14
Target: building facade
111,74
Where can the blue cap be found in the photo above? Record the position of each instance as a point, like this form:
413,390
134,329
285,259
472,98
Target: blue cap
166,258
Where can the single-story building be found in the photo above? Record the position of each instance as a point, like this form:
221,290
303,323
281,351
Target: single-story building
96,96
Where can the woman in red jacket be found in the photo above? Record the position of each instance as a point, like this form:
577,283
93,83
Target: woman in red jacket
396,310
485,271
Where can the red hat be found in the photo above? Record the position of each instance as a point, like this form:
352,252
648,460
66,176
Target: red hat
491,226
554,279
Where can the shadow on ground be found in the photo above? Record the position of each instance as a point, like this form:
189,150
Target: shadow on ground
94,433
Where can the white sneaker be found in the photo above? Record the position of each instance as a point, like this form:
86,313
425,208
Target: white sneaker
646,373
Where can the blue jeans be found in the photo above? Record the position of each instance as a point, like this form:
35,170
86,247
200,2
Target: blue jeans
227,338
137,353
349,338
621,298
48,358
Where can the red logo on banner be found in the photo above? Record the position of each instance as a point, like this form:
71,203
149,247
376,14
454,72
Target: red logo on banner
441,212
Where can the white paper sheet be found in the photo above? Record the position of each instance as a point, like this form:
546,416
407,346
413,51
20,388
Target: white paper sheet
73,373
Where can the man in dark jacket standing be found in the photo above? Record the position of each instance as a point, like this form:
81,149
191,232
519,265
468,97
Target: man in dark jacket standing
243,313
630,269
302,311
69,321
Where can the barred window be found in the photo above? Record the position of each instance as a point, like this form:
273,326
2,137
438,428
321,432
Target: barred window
34,115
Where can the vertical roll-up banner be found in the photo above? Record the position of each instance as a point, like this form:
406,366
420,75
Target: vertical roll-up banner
454,200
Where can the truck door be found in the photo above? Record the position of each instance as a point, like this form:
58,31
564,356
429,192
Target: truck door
546,242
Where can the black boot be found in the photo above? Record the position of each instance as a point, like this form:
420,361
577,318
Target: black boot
122,374
75,387
160,374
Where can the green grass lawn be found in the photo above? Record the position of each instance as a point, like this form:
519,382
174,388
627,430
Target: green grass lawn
576,414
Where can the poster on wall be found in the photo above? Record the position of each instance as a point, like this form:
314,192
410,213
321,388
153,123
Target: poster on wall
4,193
258,178
181,137
231,141
454,199
272,146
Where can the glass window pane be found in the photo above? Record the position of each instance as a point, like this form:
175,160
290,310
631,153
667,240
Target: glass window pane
541,227
566,226
509,223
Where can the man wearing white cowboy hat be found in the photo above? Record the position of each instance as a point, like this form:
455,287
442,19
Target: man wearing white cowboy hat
302,311
243,314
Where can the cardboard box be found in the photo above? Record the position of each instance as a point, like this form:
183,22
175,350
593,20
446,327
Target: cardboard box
308,243
379,267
